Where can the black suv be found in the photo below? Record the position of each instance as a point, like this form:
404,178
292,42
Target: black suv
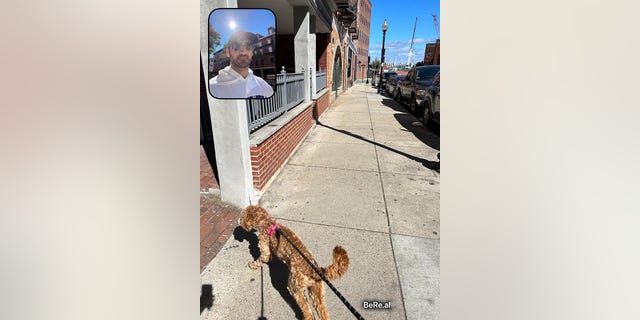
431,104
413,87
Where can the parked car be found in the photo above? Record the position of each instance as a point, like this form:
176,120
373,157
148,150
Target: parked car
431,102
385,77
412,88
392,84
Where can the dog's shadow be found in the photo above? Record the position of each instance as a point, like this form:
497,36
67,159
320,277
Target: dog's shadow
206,297
278,271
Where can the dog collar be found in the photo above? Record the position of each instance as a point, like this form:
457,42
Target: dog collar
273,228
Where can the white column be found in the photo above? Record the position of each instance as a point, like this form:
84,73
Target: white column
301,46
231,138
230,128
312,64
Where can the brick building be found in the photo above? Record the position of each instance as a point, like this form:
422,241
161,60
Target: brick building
432,53
362,37
220,61
264,62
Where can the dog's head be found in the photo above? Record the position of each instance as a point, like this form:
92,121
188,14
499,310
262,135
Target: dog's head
252,216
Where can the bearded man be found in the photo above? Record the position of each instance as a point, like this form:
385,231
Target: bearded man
237,81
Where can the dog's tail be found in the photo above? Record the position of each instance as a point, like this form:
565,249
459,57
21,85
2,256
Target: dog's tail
339,266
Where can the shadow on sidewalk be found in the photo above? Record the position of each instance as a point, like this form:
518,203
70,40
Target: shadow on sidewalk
432,165
206,297
278,272
406,119
389,102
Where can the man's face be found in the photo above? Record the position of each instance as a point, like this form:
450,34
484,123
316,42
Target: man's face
240,54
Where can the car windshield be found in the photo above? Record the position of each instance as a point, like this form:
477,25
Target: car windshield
427,73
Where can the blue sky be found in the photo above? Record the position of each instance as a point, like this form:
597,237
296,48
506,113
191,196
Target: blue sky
252,20
401,16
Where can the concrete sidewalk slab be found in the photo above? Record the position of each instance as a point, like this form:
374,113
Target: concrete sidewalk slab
396,119
346,117
344,124
341,134
419,268
405,137
242,293
392,107
328,196
414,204
336,155
356,106
412,159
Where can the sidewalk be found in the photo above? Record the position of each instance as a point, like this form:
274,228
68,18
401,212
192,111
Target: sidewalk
366,178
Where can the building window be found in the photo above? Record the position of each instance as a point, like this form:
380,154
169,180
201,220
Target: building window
270,49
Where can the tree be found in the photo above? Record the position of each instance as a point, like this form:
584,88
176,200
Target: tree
214,39
375,65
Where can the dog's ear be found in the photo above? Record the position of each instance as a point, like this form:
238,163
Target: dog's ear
262,213
247,218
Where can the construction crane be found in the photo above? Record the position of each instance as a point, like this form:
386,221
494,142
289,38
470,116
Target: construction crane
435,23
410,60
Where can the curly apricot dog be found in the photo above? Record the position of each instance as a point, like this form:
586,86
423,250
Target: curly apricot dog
301,274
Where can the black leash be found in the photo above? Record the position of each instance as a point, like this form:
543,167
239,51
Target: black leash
342,298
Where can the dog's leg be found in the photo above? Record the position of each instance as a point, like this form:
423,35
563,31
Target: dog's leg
316,294
296,287
265,252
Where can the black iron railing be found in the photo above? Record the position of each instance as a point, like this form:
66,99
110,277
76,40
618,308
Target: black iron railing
289,93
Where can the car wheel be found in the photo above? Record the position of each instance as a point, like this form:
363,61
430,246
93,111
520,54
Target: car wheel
396,95
426,118
413,106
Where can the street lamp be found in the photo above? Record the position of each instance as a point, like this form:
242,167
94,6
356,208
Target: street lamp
384,34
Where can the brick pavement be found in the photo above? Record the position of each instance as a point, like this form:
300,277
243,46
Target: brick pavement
207,179
217,219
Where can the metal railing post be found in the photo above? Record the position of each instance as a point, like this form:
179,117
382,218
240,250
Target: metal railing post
310,78
302,84
284,87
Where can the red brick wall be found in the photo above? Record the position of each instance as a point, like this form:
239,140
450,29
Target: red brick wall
268,157
362,43
434,50
322,104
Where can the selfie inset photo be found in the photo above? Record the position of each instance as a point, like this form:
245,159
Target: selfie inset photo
242,53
